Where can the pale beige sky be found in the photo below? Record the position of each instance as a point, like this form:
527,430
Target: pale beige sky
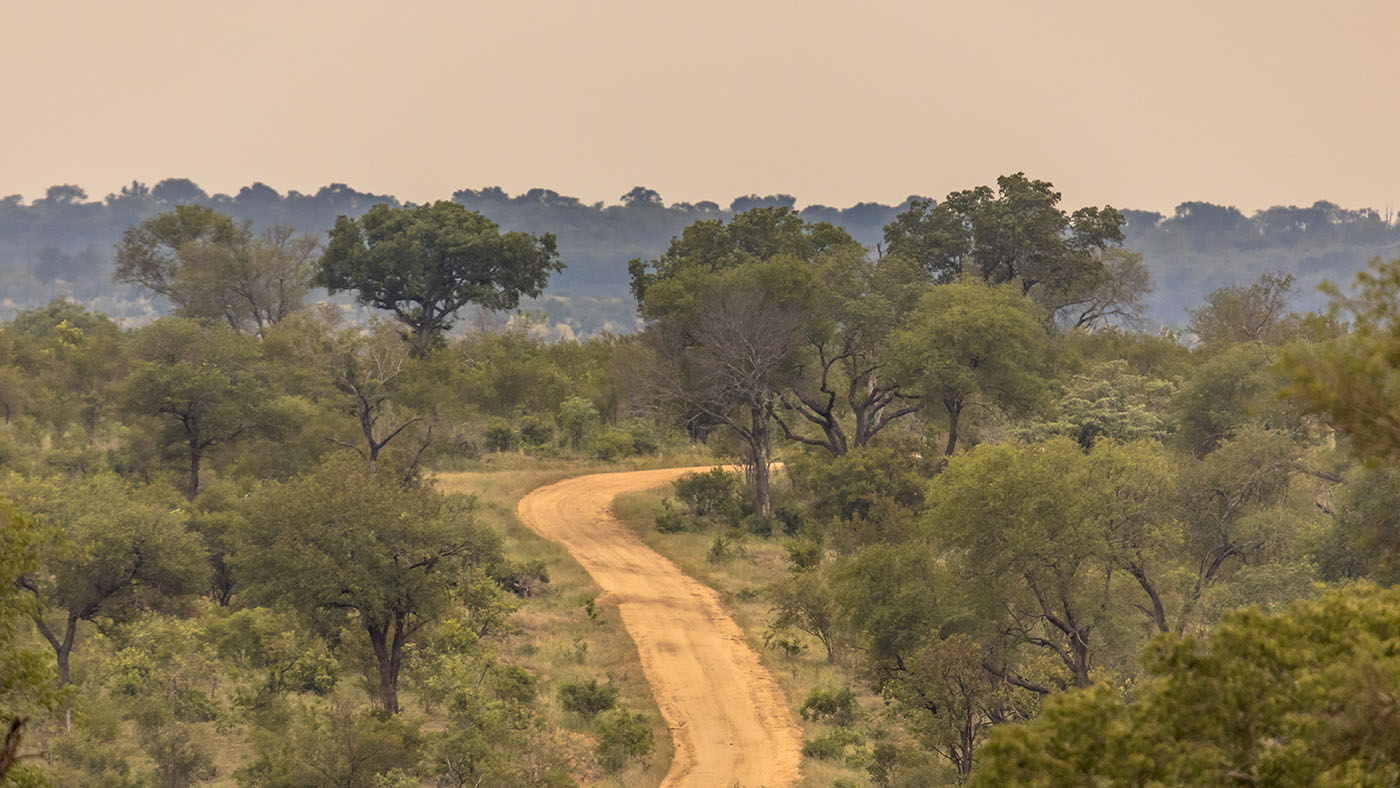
1138,104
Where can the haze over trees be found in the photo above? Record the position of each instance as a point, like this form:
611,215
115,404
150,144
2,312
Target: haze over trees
61,243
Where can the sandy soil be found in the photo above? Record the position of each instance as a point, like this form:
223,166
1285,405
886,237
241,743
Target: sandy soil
730,725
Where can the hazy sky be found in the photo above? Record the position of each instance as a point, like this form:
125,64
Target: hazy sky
1138,104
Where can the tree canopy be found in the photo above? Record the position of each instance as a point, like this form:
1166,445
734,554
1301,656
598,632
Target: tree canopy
423,264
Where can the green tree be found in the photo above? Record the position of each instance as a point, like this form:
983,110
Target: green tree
1238,518
1353,381
211,267
1110,402
368,369
333,746
1300,698
348,547
1258,313
1225,394
728,309
204,381
107,550
727,352
1061,538
425,263
1016,234
712,246
969,344
70,361
844,387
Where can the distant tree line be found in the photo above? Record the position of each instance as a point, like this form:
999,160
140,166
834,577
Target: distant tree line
61,244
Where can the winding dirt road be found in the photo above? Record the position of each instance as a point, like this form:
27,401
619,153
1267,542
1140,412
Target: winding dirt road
730,725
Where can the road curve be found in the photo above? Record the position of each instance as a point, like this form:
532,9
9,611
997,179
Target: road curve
730,725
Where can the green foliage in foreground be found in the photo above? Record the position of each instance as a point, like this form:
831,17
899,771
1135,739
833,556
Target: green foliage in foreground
1306,697
25,681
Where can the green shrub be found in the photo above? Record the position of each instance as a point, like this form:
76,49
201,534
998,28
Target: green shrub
644,438
521,578
622,737
588,698
789,519
721,549
670,521
500,435
707,493
612,444
536,429
759,525
804,553
837,705
832,745
578,417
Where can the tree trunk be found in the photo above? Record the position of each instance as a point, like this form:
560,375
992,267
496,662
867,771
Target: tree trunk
422,339
61,649
1158,613
9,751
193,489
759,448
387,657
954,411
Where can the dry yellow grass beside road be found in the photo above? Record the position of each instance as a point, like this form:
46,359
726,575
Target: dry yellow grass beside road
730,725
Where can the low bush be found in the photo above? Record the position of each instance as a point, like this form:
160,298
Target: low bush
622,737
588,698
837,705
707,493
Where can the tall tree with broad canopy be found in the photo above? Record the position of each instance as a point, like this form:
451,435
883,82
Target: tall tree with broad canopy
729,354
212,267
1065,541
105,550
25,684
424,263
346,547
1017,233
844,386
728,308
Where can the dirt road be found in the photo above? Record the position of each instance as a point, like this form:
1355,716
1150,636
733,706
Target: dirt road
730,725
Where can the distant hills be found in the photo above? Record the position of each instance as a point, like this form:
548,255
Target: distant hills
61,244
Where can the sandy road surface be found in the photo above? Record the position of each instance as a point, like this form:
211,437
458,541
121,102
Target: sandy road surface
730,725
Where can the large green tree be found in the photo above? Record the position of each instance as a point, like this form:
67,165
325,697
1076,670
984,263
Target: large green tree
1062,540
729,308
1016,233
212,267
204,381
106,550
967,344
424,263
347,547
844,387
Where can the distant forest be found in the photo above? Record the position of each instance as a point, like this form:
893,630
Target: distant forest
62,243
